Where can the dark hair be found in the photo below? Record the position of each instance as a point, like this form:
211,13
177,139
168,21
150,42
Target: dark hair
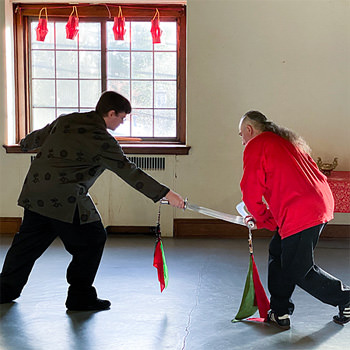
261,123
112,101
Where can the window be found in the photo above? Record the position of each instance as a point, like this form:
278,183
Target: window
60,76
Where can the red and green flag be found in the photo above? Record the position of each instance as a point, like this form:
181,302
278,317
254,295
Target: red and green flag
254,296
159,263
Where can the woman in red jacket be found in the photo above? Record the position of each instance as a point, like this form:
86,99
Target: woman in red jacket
279,171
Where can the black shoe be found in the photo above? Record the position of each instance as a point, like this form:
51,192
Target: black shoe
280,321
95,305
344,314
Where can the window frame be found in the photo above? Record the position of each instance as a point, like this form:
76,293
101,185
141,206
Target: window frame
22,13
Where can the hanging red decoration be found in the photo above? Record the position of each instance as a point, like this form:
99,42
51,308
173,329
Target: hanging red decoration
119,26
155,29
41,29
72,25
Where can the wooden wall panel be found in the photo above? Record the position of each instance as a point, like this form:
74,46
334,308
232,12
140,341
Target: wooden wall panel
220,229
10,225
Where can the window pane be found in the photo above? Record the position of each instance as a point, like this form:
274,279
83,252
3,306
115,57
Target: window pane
168,37
67,93
123,129
113,44
120,86
66,75
42,117
61,41
142,123
165,65
49,39
90,64
165,94
118,65
67,64
62,111
89,36
43,64
165,123
90,91
142,94
142,65
43,93
141,38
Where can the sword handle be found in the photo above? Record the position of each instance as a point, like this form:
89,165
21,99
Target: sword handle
165,201
251,224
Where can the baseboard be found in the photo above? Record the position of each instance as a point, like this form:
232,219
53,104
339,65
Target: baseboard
214,228
131,230
335,231
9,225
191,228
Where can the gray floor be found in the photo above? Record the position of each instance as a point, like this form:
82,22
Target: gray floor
206,280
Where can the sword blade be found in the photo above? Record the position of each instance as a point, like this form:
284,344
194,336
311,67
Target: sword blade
216,214
241,210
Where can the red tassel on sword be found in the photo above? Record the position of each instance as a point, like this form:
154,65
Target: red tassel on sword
254,297
159,261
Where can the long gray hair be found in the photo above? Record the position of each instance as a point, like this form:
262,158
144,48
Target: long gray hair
261,123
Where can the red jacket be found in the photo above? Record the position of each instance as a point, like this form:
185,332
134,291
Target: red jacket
296,192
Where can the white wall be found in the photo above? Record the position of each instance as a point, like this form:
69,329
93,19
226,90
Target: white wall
289,59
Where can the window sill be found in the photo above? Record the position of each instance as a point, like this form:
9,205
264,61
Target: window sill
132,148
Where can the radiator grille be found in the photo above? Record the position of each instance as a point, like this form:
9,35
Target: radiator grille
149,163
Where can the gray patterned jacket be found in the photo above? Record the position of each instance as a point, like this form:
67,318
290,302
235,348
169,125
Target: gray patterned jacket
73,152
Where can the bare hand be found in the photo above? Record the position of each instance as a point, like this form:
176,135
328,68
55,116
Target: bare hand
175,200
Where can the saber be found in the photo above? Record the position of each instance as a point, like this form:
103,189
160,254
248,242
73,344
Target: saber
240,208
215,214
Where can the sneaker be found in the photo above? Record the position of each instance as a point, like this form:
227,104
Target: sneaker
95,305
344,314
280,321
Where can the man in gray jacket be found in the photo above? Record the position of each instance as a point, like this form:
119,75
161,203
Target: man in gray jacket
72,152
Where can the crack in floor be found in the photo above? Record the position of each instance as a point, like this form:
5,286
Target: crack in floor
188,326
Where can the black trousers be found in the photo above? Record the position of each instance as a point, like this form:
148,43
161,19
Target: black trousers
291,263
84,242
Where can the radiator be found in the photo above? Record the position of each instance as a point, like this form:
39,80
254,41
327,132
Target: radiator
149,163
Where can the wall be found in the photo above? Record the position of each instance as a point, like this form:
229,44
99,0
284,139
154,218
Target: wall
287,58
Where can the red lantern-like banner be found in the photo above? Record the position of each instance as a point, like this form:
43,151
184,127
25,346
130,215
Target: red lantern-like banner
72,25
119,26
41,29
155,29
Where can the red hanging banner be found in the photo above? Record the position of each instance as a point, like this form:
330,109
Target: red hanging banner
155,29
41,29
119,26
72,25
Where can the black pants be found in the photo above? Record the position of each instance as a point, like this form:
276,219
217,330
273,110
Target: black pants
84,242
291,263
